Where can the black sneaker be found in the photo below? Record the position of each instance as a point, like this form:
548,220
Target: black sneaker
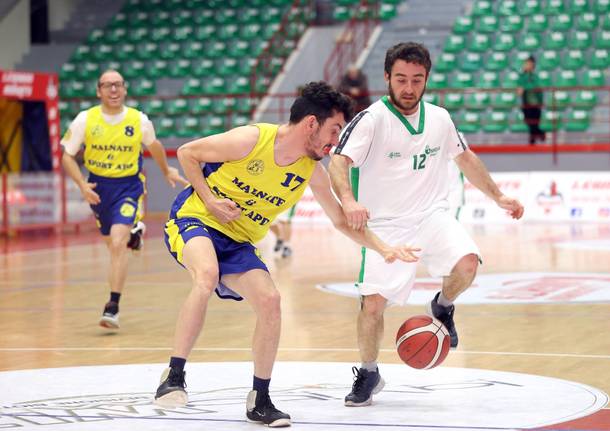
260,409
445,315
110,316
171,392
135,239
286,252
278,246
366,383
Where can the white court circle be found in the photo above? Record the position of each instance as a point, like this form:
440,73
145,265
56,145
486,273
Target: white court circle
119,397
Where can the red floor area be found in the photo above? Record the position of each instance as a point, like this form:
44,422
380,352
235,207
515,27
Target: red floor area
599,421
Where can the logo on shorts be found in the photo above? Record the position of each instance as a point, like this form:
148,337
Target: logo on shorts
256,167
127,210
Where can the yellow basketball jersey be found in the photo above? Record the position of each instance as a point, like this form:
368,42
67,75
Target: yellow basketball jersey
260,188
113,151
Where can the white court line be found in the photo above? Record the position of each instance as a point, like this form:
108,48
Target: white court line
281,349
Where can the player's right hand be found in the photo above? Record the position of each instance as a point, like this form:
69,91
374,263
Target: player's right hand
225,210
356,215
89,195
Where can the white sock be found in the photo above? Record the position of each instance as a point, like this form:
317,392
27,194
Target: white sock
370,366
443,301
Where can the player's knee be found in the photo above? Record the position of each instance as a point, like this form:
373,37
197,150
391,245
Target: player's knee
205,280
468,264
118,244
373,308
270,303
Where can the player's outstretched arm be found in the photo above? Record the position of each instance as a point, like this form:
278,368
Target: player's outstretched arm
320,186
476,172
234,144
356,214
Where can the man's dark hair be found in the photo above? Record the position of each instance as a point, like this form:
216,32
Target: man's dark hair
410,52
531,58
322,101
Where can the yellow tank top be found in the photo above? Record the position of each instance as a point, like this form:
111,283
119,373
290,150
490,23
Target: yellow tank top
113,151
260,187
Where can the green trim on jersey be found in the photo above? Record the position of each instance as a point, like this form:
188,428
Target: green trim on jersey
361,275
403,120
355,179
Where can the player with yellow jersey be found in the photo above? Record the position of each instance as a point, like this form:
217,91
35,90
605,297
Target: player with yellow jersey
250,175
113,135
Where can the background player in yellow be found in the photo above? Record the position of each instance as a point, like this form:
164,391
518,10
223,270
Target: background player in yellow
113,135
250,175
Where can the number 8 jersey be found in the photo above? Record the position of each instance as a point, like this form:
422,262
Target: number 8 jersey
260,188
400,162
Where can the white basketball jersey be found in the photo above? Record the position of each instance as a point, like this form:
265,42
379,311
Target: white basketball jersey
400,163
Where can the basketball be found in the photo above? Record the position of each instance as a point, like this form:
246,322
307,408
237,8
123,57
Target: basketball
422,342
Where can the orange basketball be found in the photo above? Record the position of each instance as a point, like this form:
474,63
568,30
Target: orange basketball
422,342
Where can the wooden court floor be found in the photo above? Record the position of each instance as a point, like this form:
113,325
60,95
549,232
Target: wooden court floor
52,291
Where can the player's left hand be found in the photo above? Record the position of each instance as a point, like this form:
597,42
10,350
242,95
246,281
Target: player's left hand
511,205
404,253
173,176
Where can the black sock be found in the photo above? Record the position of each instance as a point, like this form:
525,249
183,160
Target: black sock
261,385
177,363
115,297
278,245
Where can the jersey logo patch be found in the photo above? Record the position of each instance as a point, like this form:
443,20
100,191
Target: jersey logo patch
256,167
394,154
97,131
127,210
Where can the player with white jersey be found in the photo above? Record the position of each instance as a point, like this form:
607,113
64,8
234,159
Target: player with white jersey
398,150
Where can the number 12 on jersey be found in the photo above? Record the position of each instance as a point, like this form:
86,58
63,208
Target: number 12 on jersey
419,161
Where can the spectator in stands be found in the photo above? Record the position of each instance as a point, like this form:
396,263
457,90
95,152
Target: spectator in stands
531,96
113,135
355,84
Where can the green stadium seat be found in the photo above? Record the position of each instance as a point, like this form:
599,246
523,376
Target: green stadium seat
488,79
529,42
272,14
471,62
576,7
482,8
225,16
140,19
170,51
153,107
84,105
463,25
551,120
115,35
203,67
497,61
561,22
431,98
248,16
160,34
537,23
495,122
511,79
469,122
104,52
224,105
455,43
461,80
216,49
599,59
182,18
240,48
605,21
157,69
215,124
548,61
487,24
601,6
227,66
147,50
529,7
183,33
193,86
72,89
188,127
96,36
506,100
249,32
446,62
179,68
587,22
602,40
177,106
387,11
479,43
133,69
573,59
566,78
545,78
516,122
228,32
143,87
201,105
437,81
65,109
215,85
342,13
594,78
138,35
508,8
504,42
554,7
577,121
204,16
165,127
119,20
580,40
246,105
134,103
559,100
477,101
453,101
193,49
511,24
517,59
205,32
68,72
586,99
554,40
240,120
